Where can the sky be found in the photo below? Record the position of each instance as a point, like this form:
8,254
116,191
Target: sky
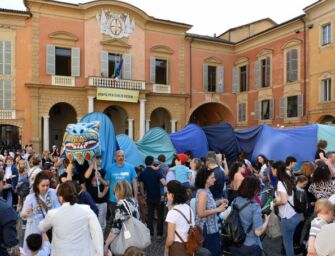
210,16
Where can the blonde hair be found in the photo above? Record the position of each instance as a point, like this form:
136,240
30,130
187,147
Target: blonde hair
323,206
123,189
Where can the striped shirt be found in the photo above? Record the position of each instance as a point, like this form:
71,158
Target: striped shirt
316,226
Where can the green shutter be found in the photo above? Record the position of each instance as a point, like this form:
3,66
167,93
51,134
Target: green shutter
205,77
75,61
300,105
127,66
236,80
219,79
257,74
8,58
51,59
104,64
153,70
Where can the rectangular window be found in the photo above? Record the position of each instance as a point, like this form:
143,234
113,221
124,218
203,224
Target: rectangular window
292,66
161,71
242,112
63,62
211,78
265,72
326,34
292,106
113,63
265,109
326,90
243,78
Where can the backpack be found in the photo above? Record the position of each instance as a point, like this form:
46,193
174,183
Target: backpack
300,201
195,236
233,232
23,188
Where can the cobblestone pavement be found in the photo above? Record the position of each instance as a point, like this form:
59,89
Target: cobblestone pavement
271,247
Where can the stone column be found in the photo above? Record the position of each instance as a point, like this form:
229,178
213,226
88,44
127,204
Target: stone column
46,133
90,104
173,125
142,117
131,128
147,125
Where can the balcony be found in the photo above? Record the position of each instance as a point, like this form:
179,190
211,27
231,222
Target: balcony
116,83
68,81
161,88
7,114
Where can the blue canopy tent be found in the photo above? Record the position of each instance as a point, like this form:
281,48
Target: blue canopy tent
108,141
277,144
155,142
192,138
130,150
221,138
247,139
327,132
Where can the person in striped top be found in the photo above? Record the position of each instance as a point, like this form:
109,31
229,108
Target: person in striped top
324,210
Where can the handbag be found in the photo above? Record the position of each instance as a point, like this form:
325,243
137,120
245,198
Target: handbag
133,233
273,230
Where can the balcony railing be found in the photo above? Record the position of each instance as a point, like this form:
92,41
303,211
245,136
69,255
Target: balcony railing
63,81
7,114
161,88
116,83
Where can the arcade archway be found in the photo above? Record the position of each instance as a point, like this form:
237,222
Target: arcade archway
9,137
326,119
160,117
211,113
119,118
61,114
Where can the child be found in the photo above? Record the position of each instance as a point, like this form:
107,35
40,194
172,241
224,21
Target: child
182,173
38,247
325,212
302,182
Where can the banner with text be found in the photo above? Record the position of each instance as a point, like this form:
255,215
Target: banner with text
112,94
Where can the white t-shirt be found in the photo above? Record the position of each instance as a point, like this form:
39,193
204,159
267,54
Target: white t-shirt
176,218
194,174
286,210
8,172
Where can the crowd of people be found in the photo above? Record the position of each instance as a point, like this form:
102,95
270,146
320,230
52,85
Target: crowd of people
51,206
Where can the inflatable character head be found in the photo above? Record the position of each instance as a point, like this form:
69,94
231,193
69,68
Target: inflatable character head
81,141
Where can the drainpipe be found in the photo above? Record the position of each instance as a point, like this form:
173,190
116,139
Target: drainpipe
305,71
191,81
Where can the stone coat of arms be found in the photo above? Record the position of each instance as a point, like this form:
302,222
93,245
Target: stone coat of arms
115,25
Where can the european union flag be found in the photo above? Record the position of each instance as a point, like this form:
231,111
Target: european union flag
118,69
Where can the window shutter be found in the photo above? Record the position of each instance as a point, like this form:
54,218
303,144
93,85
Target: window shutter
127,66
51,59
242,112
7,94
294,64
322,91
205,77
167,72
283,107
272,108
104,64
236,80
247,76
2,63
219,79
8,57
257,110
75,61
300,105
257,74
153,70
267,71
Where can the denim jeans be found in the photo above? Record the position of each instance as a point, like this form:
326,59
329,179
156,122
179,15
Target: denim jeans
252,250
288,227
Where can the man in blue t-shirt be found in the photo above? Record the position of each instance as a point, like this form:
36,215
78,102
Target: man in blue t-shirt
150,180
120,170
217,188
